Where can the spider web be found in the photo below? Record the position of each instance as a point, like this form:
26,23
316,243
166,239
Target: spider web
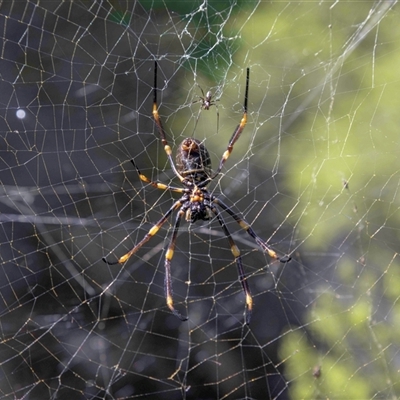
315,172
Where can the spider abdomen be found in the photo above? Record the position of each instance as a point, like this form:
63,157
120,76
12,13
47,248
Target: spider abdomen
193,160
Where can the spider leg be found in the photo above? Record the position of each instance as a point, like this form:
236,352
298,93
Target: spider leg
244,225
216,106
168,257
157,185
236,253
203,97
237,131
167,147
153,230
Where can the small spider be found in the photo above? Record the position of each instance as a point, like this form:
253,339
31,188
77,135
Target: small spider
193,169
207,100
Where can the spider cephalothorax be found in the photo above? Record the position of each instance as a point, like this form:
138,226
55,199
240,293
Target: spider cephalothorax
193,169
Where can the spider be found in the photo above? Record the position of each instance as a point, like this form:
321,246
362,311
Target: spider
193,169
206,101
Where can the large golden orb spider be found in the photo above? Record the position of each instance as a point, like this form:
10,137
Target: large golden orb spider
193,169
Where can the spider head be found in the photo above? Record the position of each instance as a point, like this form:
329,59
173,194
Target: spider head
199,207
193,160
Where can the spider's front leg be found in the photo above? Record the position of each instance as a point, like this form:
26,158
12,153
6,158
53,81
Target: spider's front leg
168,277
244,225
238,258
155,228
